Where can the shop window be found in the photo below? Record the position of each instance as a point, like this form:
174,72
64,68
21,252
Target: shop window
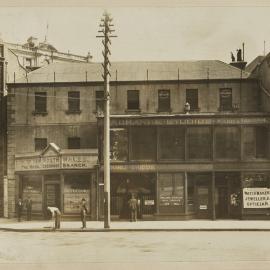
40,102
256,180
164,101
32,188
225,99
227,140
119,144
73,101
256,142
133,100
171,192
192,99
171,143
199,144
74,143
143,143
191,193
100,101
40,144
76,188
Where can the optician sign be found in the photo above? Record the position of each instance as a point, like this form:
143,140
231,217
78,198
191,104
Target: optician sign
256,197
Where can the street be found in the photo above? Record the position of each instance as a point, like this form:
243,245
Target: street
135,250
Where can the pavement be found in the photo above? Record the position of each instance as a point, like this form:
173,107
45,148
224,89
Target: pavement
98,226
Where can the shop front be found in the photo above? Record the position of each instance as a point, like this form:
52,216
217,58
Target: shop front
59,178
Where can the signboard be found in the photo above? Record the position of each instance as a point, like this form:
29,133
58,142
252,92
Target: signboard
55,162
149,202
171,201
256,197
188,121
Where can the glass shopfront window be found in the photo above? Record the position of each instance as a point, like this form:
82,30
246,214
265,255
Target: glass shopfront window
119,144
171,192
227,142
171,143
256,180
256,142
32,188
199,143
76,188
143,143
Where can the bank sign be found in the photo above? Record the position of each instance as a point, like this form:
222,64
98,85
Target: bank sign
256,197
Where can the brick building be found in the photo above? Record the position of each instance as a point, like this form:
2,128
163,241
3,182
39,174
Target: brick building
186,137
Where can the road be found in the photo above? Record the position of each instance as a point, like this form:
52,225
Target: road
135,250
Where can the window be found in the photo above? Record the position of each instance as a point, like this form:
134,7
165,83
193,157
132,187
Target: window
40,102
133,100
143,143
28,62
40,144
1,50
227,142
192,99
199,143
99,101
256,143
74,143
256,179
225,99
74,101
171,143
164,101
119,144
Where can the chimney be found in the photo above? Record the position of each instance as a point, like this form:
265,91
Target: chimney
240,56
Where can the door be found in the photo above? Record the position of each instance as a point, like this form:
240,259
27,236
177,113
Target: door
222,202
52,195
203,202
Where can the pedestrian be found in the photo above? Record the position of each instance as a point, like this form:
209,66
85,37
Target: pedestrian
56,214
83,211
19,209
133,208
28,204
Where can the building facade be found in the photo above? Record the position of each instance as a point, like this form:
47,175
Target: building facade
190,139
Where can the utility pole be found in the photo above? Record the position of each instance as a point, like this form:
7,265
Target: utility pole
106,35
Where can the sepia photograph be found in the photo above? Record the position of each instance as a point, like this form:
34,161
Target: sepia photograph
135,135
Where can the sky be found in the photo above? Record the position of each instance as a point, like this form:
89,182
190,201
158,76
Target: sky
144,33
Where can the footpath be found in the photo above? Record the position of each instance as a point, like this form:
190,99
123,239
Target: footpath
117,226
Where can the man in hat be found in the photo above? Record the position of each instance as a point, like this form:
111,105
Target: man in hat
83,211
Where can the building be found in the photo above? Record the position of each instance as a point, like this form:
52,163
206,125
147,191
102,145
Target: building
190,138
17,60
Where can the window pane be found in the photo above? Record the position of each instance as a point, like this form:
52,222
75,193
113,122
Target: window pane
40,101
74,101
119,144
192,98
259,179
171,143
133,100
40,144
262,146
227,142
199,142
74,143
225,96
143,143
99,101
164,100
249,135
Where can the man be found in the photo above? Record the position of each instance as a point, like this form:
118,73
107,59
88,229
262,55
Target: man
28,204
56,214
133,208
83,211
19,209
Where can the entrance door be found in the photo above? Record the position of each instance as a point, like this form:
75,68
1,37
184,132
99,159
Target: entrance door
52,195
222,202
203,203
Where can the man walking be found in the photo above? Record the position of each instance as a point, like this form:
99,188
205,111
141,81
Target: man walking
28,204
133,208
83,211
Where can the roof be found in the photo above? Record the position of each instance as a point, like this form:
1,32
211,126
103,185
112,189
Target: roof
135,71
254,64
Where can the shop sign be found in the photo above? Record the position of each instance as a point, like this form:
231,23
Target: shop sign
203,207
189,121
149,202
256,197
55,162
170,200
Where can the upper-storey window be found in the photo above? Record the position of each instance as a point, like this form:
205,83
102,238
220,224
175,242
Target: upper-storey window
192,99
99,101
225,99
133,100
74,101
74,143
40,144
164,101
40,102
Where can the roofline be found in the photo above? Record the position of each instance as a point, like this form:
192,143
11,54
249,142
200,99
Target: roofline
12,84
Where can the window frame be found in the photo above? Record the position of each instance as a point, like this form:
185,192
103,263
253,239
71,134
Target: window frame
73,138
99,101
74,100
130,101
39,95
221,106
193,108
160,106
40,141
